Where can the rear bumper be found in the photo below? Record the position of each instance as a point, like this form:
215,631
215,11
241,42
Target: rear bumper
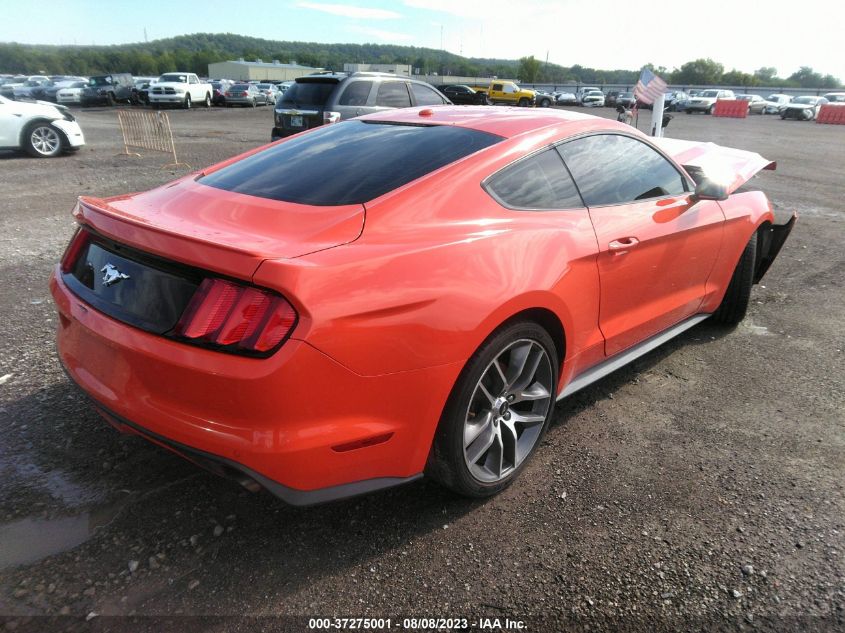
298,423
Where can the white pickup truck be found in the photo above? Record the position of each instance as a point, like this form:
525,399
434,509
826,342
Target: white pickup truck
182,89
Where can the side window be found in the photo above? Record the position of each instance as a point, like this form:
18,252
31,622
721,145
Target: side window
393,94
425,95
615,169
538,182
356,93
497,87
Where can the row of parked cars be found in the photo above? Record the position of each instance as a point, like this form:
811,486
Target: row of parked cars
179,88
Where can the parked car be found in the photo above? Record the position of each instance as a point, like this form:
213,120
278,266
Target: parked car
285,85
334,356
835,97
583,91
109,90
49,92
41,129
271,91
625,99
245,95
756,103
566,98
803,108
775,102
543,99
71,93
463,95
181,89
220,87
610,99
324,98
593,99
706,100
24,90
508,93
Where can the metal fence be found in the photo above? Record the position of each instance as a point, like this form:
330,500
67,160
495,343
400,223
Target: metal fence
148,130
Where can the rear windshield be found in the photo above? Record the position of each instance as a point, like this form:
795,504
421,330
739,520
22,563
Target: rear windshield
307,94
348,163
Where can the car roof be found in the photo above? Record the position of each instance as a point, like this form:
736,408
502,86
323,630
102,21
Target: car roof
504,121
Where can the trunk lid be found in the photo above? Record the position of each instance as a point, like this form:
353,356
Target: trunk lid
222,231
733,167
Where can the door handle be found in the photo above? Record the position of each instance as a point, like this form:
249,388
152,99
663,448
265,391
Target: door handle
622,245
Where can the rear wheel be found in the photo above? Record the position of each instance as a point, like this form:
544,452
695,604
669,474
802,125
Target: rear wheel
497,412
735,302
43,140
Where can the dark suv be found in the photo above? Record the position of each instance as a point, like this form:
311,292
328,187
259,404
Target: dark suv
331,97
109,89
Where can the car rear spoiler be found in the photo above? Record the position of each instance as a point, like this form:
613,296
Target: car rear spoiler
732,167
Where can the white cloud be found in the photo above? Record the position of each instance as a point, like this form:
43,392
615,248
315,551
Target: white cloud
350,11
389,37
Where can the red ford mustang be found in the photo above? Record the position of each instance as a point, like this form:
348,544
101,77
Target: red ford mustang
405,293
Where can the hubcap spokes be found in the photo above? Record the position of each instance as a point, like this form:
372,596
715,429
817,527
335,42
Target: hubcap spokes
45,140
507,410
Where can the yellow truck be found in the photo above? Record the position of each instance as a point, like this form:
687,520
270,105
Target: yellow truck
507,92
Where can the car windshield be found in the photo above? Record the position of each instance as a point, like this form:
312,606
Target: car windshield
32,82
308,93
77,84
99,81
265,86
835,98
240,87
709,93
365,160
805,100
175,78
626,95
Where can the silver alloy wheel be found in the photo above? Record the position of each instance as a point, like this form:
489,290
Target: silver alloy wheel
507,410
45,140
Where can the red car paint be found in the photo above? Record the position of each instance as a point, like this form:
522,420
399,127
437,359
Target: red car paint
393,296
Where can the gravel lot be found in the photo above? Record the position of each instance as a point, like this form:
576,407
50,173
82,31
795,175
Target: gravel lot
699,488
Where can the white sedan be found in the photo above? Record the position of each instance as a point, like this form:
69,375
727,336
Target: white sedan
71,93
41,129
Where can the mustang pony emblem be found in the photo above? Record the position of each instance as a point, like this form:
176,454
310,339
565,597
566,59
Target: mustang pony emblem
112,275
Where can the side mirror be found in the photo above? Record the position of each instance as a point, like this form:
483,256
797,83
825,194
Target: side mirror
710,190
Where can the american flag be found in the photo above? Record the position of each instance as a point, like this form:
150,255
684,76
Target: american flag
649,87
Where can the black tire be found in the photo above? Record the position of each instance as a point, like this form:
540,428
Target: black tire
524,103
186,104
710,110
110,99
447,464
207,100
545,103
735,302
254,102
43,140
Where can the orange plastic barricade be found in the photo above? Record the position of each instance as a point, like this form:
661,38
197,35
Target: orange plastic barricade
734,108
831,113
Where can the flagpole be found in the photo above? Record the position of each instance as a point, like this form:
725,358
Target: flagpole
657,115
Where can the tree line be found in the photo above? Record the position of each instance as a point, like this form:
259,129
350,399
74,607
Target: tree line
193,53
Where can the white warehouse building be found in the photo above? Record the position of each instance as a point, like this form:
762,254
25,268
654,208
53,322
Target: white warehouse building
259,70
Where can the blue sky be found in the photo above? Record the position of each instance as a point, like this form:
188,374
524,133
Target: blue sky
597,33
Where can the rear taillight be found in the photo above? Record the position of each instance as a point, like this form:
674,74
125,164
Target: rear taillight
331,117
236,317
78,243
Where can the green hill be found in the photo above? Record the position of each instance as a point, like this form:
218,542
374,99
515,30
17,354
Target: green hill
195,52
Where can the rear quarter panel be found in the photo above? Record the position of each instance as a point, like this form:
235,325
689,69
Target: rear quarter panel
439,267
